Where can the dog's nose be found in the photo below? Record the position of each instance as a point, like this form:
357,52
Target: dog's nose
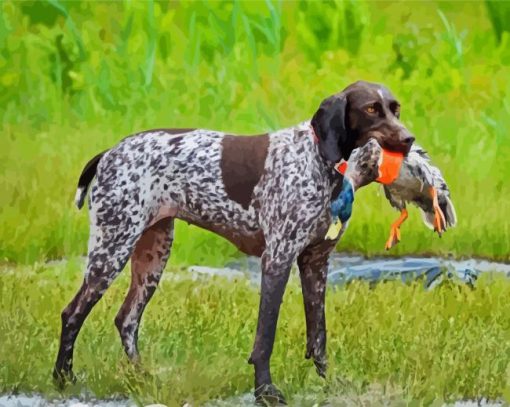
408,140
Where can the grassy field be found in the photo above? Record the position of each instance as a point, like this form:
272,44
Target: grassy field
77,76
75,81
395,342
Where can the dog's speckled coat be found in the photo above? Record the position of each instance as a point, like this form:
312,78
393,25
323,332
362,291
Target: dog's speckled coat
269,195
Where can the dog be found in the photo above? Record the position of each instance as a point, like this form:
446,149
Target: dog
268,194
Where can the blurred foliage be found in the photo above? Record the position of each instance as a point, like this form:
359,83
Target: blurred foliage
499,13
77,76
329,26
421,347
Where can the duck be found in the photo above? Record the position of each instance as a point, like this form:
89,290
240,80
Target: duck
410,179
423,185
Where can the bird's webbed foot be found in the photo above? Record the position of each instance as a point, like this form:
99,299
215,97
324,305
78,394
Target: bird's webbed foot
394,237
439,218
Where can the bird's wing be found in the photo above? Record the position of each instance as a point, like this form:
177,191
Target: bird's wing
432,175
448,211
419,166
416,149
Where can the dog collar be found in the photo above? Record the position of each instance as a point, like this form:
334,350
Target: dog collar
341,166
314,136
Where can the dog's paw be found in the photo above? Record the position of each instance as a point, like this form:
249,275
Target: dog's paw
61,378
269,395
320,362
321,366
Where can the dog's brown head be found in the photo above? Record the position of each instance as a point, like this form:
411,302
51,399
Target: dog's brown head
360,112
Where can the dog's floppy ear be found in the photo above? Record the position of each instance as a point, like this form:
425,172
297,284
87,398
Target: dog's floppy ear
330,128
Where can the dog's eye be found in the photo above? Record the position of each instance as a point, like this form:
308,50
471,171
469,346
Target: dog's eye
370,109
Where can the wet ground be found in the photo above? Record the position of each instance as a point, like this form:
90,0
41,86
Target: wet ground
245,400
39,401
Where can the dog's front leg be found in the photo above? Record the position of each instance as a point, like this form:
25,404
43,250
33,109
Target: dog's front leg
276,267
313,270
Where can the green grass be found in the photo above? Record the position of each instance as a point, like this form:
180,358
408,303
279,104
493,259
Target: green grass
394,341
75,80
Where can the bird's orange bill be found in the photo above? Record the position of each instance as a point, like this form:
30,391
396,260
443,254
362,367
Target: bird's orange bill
389,169
395,230
439,219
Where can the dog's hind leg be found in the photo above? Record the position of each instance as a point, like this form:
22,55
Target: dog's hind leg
147,263
110,246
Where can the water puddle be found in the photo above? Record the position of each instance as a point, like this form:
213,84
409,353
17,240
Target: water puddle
344,268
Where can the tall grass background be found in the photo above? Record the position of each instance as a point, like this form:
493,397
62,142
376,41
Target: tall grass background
77,76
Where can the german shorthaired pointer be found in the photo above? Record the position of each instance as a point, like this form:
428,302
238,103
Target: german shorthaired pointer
268,194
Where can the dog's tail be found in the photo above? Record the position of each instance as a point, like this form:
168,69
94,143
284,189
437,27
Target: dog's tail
88,173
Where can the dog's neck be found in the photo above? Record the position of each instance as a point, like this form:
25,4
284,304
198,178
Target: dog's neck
305,134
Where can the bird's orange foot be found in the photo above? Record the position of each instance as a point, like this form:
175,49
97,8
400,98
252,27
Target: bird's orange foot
439,221
439,218
394,237
395,230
